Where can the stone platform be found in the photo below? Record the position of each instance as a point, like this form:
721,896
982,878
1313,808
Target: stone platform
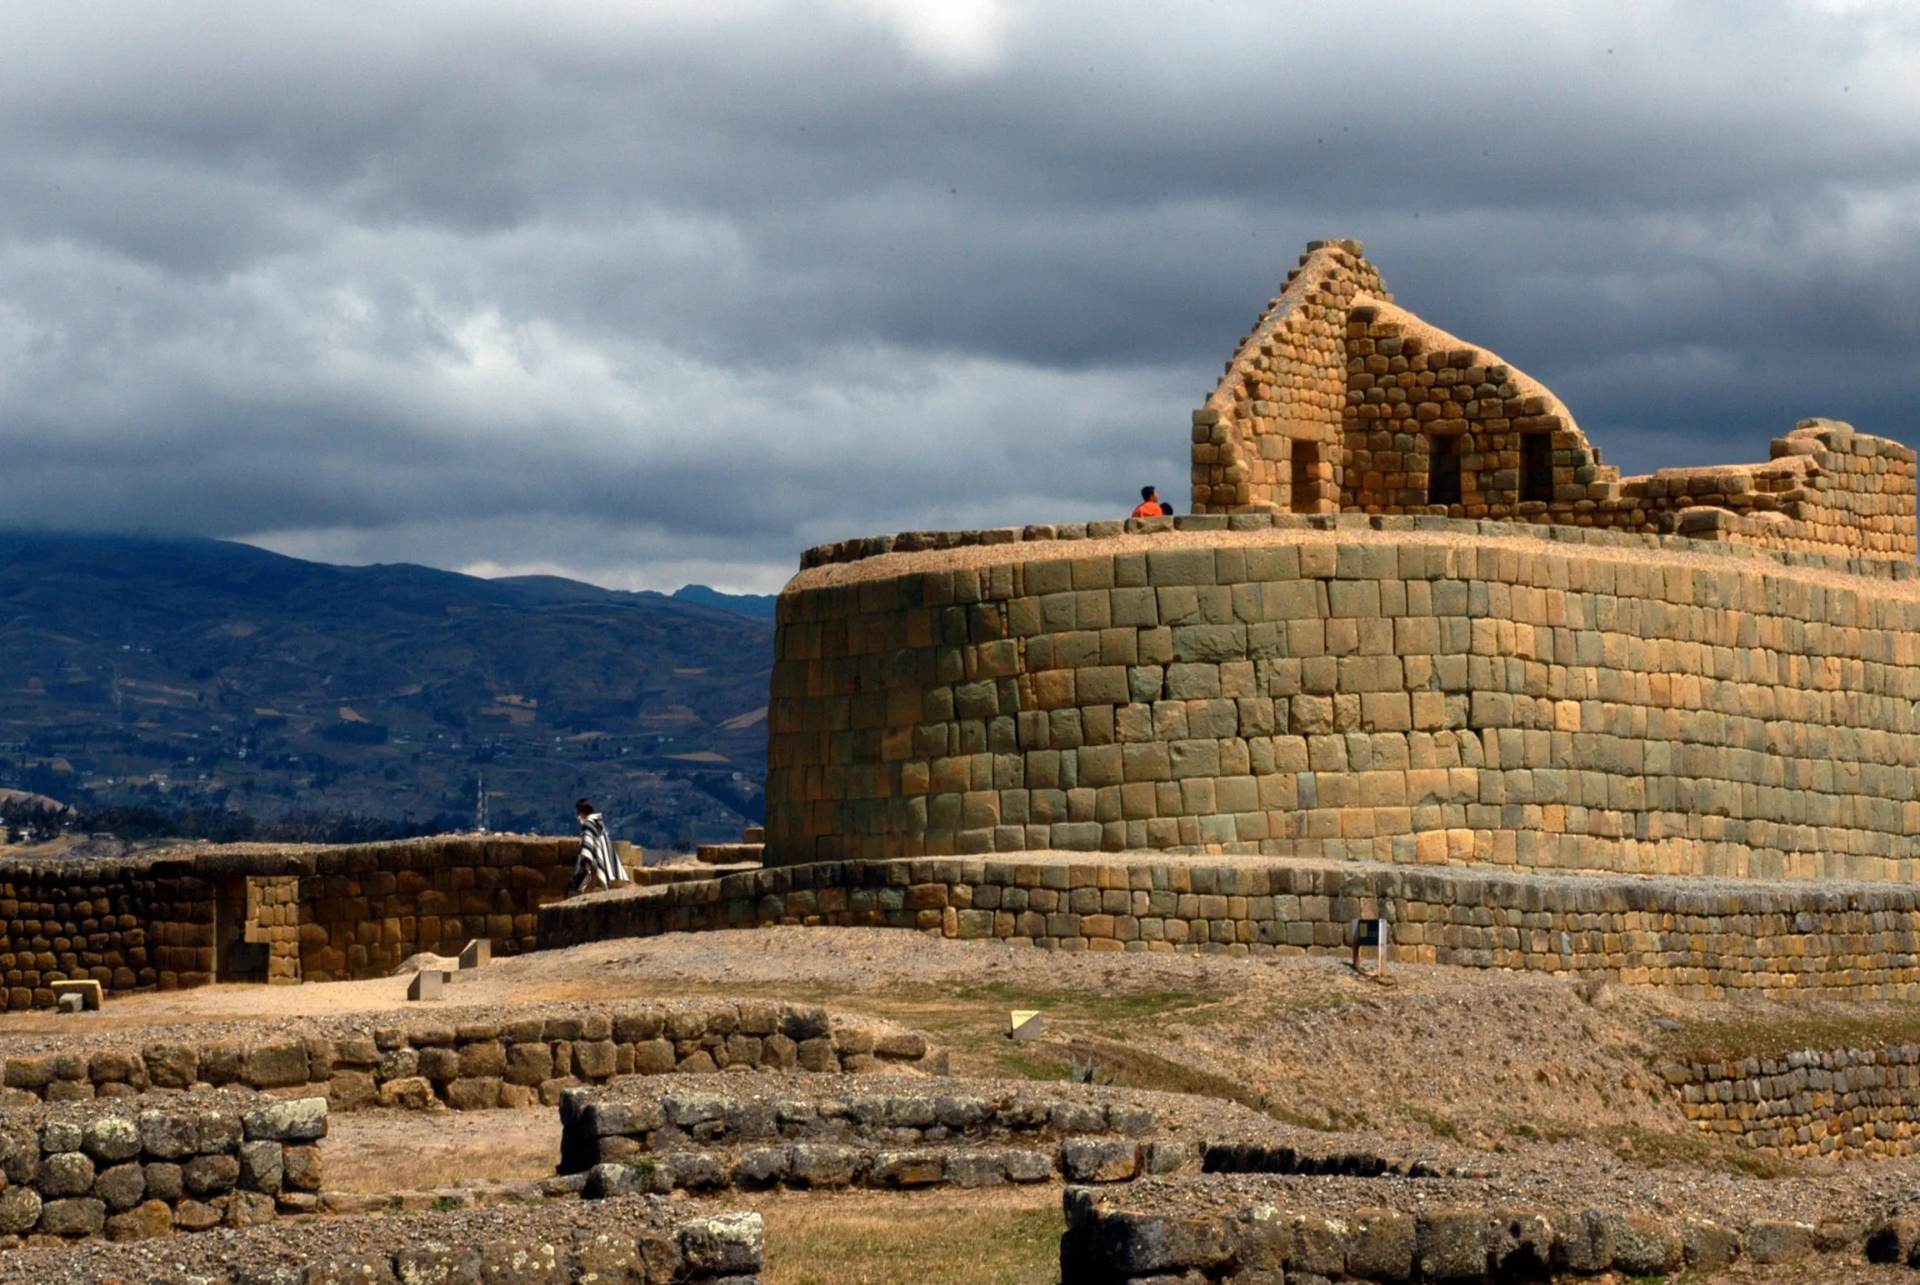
1698,937
1397,689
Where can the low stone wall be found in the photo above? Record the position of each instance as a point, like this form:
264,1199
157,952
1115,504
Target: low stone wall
1696,937
146,1167
469,1061
630,1241
1106,1243
1811,1102
632,1139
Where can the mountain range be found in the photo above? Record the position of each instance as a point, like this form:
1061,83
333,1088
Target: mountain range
180,674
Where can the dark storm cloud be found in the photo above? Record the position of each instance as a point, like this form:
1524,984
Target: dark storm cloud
649,293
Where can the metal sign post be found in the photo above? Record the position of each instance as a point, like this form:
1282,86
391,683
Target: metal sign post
1371,932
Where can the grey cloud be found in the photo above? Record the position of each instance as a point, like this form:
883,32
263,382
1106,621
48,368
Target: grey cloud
630,291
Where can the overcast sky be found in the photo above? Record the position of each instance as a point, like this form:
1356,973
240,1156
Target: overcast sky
649,293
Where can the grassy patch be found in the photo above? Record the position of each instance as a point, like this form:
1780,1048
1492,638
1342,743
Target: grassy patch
1087,1006
1784,1028
1690,1147
873,1238
1432,1121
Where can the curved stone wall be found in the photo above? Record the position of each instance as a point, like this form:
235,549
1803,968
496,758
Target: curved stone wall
1393,689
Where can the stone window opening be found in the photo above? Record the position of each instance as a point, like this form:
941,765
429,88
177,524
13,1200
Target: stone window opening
1305,491
1536,468
1443,471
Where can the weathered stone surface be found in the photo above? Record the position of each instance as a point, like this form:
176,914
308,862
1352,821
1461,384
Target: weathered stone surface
908,1168
971,1169
295,1120
276,1064
1774,1241
19,1210
1381,1245
1450,1244
300,1168
1646,1247
164,1180
486,1059
167,1136
760,1166
351,1089
723,1245
65,1173
145,1221
249,1209
653,1057
1026,1166
900,1045
121,1187
610,1180
437,1264
196,1215
351,1269
110,1139
205,1176
608,1257
528,1063
411,1093
1135,1245
520,1260
75,1216
1099,1159
478,1093
823,1165
260,1166
60,1135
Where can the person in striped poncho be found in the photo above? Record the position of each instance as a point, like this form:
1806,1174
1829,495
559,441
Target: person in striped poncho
599,864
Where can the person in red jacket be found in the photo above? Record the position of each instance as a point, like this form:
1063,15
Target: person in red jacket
1150,505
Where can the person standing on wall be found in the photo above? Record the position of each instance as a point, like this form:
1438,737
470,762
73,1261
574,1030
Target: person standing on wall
598,863
1151,505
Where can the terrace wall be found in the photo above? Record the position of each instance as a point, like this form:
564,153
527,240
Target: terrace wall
1403,690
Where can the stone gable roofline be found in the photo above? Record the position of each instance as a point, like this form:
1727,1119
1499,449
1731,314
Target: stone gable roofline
1340,401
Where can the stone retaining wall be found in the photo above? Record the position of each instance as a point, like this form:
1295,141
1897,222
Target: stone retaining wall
1693,937
1400,695
185,918
471,1064
1107,1243
129,925
146,1167
1811,1102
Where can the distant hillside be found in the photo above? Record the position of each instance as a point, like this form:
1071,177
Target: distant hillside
747,604
203,673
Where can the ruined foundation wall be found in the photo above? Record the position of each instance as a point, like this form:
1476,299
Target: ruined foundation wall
1433,692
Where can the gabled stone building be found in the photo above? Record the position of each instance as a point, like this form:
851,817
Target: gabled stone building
1340,401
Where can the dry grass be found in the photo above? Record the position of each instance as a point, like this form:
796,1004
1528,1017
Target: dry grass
1776,1028
379,1151
1004,1236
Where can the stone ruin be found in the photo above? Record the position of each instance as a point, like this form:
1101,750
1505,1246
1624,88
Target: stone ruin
1417,654
1340,401
1414,619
